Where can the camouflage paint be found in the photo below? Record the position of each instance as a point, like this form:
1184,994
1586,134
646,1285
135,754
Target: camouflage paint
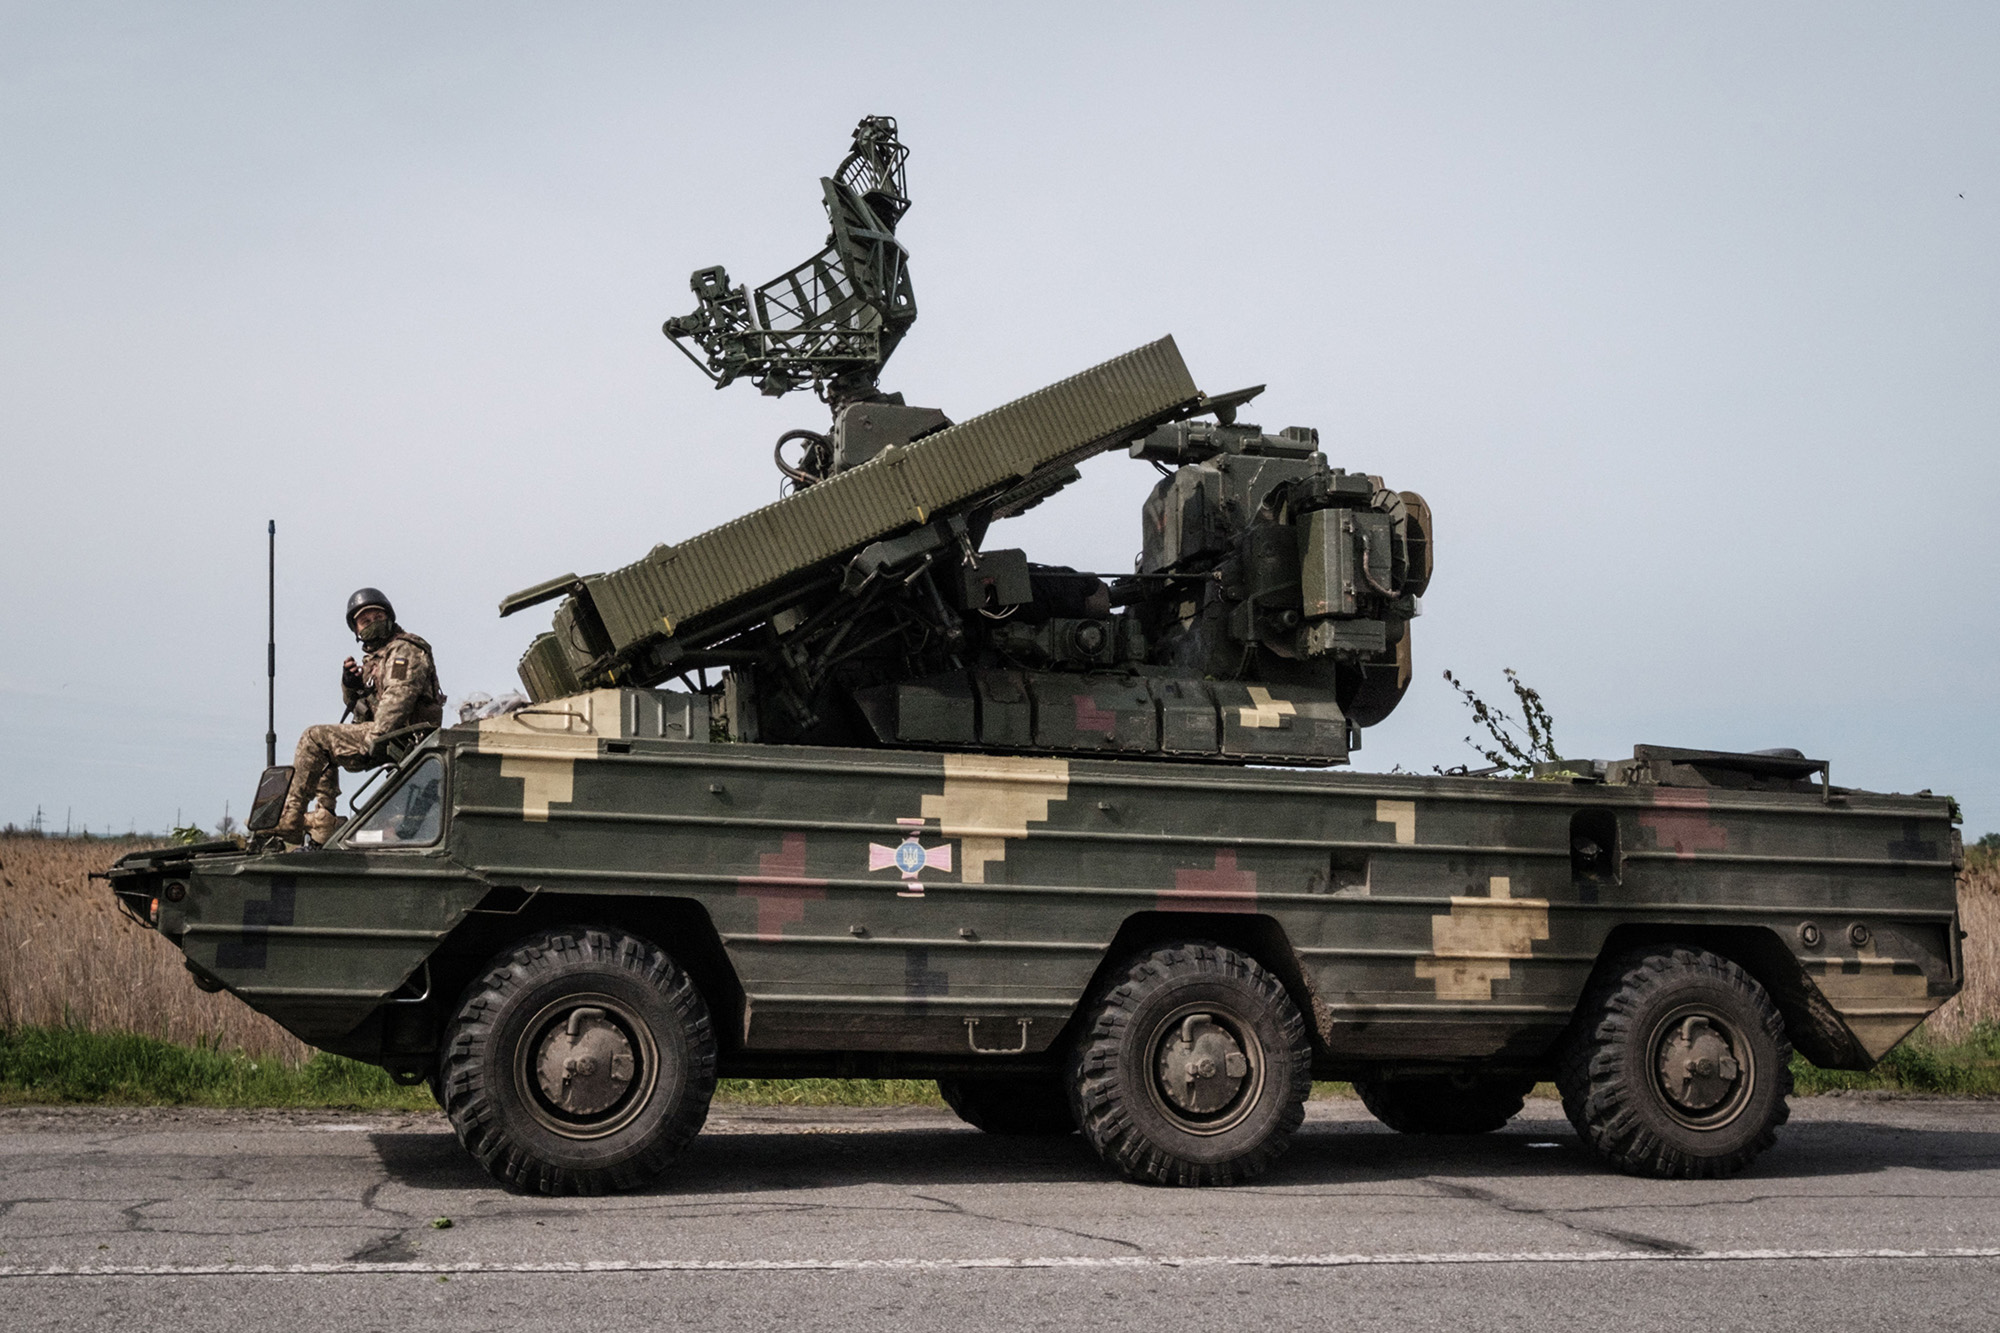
1428,918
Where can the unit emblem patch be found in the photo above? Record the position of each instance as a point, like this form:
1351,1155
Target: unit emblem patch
911,858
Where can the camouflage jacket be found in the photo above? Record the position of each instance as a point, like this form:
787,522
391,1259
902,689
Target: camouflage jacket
400,687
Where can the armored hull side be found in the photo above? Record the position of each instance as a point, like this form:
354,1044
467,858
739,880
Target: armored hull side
923,911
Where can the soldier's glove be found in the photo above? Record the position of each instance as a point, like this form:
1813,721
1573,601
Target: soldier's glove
351,678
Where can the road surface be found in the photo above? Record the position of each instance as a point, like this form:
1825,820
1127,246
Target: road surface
1870,1212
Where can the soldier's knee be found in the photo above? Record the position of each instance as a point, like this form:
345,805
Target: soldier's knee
325,743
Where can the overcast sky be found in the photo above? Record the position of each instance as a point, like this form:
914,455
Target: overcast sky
1683,318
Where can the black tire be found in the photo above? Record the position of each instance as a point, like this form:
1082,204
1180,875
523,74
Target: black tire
1024,1106
1446,1103
1243,1068
581,1061
1677,1066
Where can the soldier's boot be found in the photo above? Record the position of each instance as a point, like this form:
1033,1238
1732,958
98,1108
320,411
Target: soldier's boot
319,824
291,825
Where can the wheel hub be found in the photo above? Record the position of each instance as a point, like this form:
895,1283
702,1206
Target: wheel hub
1203,1068
586,1065
1698,1067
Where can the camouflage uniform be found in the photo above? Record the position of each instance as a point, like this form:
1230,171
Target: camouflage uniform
399,689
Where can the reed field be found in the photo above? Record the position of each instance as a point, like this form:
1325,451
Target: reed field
71,966
69,959
1979,917
95,1008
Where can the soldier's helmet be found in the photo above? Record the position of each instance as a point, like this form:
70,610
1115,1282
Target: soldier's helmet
364,598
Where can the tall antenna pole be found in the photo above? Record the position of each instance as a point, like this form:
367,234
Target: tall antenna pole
271,658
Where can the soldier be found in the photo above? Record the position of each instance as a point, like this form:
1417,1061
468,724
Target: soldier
395,685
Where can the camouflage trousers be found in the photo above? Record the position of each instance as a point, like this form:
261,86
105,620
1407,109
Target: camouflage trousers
323,751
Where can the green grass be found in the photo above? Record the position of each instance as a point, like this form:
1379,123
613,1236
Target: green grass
69,1066
1965,1068
42,1066
827,1092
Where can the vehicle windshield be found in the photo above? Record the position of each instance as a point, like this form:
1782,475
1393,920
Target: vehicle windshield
413,814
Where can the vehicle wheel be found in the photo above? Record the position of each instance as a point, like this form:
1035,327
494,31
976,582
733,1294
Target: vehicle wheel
581,1061
1677,1066
1017,1105
1194,1069
1473,1103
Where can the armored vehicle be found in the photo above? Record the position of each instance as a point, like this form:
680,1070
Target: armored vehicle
1070,844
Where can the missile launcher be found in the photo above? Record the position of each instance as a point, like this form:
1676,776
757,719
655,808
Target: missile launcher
1266,619
946,855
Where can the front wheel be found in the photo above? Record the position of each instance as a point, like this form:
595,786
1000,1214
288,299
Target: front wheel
1676,1066
581,1061
1194,1069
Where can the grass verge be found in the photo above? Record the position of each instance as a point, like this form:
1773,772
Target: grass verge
64,1065
42,1066
1966,1068
827,1092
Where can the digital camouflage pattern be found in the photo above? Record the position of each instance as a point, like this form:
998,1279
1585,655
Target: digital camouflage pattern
398,688
1032,859
323,749
1268,618
952,814
900,913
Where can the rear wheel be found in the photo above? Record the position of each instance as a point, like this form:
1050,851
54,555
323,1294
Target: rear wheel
1677,1066
1477,1103
1015,1105
581,1061
1194,1069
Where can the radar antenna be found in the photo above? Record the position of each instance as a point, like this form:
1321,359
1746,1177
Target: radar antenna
832,321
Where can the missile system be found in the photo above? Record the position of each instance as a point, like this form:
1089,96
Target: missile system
948,858
1266,619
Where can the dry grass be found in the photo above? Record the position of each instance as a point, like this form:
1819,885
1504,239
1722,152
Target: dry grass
1979,918
67,958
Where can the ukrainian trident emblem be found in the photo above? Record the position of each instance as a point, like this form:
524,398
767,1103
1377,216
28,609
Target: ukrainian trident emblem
912,858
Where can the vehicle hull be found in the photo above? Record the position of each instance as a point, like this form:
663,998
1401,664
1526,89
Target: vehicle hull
907,910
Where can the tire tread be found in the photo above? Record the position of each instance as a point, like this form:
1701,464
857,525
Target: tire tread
1598,1090
1100,1098
462,1067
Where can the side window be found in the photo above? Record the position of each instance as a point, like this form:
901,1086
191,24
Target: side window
412,816
1595,858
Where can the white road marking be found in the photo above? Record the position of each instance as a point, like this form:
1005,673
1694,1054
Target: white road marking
996,1263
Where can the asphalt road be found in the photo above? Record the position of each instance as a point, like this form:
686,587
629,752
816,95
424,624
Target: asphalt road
1870,1213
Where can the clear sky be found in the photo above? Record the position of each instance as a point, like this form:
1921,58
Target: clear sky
1683,318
